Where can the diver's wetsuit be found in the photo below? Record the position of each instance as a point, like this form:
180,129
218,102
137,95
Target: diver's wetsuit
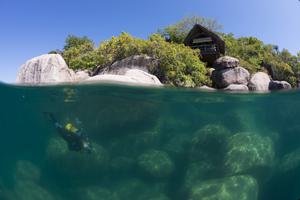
76,141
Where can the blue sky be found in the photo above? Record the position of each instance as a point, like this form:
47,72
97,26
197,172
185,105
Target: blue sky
34,27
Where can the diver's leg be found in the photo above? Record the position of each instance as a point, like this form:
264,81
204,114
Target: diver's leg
52,119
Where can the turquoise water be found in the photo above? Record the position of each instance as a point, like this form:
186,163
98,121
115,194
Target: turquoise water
149,144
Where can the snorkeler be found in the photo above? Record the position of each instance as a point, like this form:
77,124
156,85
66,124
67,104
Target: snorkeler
76,140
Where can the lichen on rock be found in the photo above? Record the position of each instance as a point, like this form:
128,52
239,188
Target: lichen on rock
231,188
156,163
247,151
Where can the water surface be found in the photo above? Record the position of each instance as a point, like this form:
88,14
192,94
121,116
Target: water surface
149,144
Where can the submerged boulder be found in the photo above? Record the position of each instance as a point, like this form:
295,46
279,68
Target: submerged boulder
259,82
226,62
132,188
198,172
132,76
248,151
279,85
63,161
157,164
231,188
290,161
225,77
25,190
26,170
49,68
208,143
97,193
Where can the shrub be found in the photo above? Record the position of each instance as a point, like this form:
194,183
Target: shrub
178,65
79,53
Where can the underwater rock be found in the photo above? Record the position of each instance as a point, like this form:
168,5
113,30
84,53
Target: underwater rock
157,164
26,170
76,164
134,144
130,189
157,197
247,151
97,193
49,68
208,143
290,161
231,188
177,145
25,190
226,62
122,164
259,82
198,172
225,77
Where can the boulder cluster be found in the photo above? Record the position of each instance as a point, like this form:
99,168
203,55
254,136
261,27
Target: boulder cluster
52,69
213,162
230,76
226,75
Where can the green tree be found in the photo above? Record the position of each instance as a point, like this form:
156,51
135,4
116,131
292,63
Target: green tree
74,41
178,32
79,53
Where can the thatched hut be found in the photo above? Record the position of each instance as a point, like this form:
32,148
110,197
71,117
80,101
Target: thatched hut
210,44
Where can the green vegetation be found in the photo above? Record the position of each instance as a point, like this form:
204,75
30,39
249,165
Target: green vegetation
257,56
180,65
253,54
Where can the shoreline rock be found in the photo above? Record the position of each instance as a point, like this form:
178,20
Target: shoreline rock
228,75
49,68
259,82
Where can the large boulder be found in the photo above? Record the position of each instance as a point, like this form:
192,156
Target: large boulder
259,82
88,166
279,85
226,62
208,144
97,193
155,163
131,76
237,88
225,77
290,161
231,188
81,75
27,171
49,68
25,190
247,152
141,62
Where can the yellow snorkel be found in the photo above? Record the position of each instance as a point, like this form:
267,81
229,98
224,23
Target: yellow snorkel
72,129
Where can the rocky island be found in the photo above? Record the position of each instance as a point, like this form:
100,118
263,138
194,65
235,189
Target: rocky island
196,58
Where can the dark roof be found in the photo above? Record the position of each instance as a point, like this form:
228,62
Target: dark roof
200,29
